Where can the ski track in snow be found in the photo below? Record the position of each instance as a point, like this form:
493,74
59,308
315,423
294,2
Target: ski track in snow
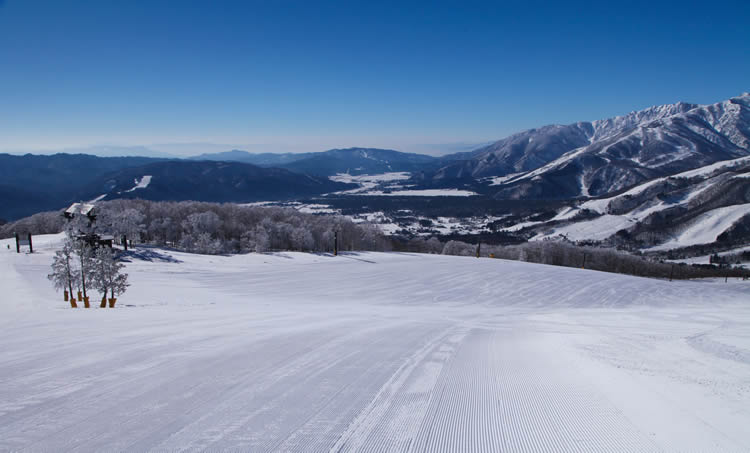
372,352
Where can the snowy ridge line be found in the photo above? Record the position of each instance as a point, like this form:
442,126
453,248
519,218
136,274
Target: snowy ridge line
721,124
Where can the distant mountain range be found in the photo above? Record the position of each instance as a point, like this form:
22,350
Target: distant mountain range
210,181
591,159
626,160
354,161
34,183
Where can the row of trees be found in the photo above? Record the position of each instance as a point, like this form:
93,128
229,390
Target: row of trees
560,253
80,267
41,223
212,228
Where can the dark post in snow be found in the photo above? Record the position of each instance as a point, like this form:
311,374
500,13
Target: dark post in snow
479,246
18,244
671,272
31,247
583,265
335,243
125,242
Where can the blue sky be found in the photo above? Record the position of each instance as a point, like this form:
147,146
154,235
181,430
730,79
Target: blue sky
306,76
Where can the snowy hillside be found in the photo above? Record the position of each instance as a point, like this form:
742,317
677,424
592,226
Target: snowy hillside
371,351
689,208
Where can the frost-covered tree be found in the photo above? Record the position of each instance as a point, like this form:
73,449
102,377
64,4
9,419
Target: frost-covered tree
79,224
164,230
433,245
200,233
64,273
302,239
255,240
204,222
130,223
458,248
107,275
207,245
86,264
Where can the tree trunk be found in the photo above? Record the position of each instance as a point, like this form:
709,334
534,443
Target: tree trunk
83,280
70,277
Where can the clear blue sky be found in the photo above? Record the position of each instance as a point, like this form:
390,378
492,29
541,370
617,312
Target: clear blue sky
310,75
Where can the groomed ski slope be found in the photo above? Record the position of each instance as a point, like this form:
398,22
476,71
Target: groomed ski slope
705,228
372,352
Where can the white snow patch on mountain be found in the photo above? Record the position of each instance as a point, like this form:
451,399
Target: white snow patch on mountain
141,183
497,180
99,198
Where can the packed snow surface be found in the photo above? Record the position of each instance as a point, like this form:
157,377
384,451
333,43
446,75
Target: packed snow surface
371,351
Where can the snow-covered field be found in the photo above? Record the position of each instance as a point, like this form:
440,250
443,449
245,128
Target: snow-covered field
372,351
389,184
369,182
423,193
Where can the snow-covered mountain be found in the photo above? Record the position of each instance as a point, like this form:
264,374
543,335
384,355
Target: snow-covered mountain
597,158
708,206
